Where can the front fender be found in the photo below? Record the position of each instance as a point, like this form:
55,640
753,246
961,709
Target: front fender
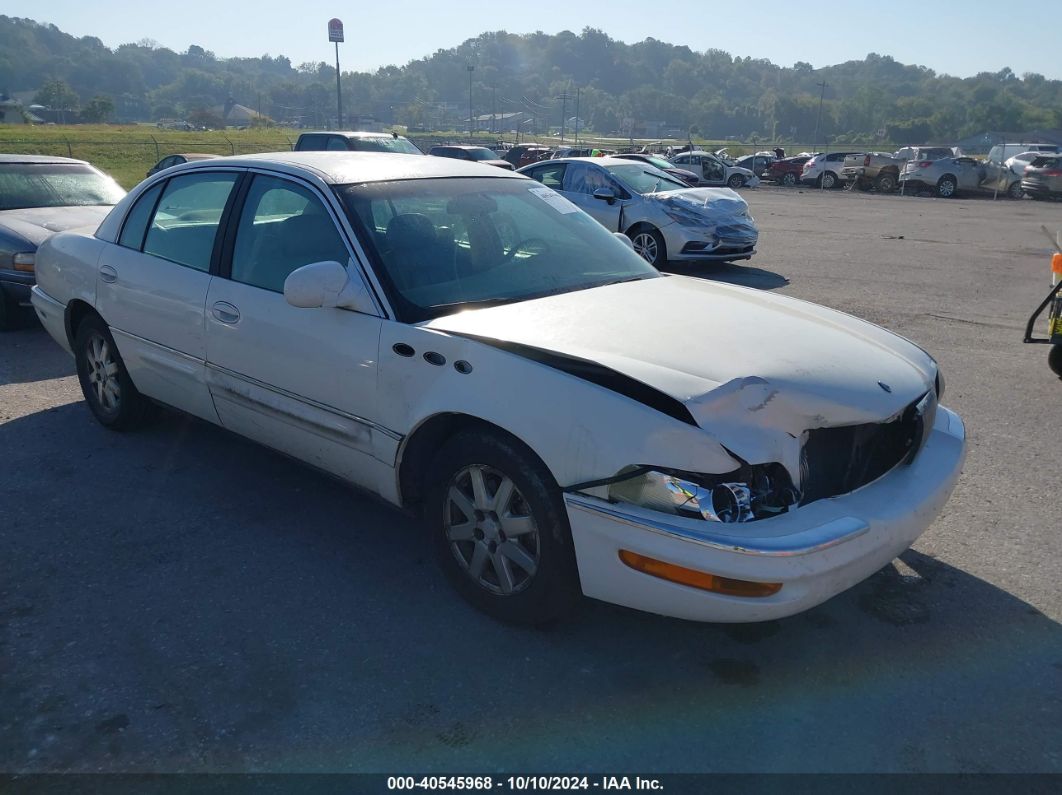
580,430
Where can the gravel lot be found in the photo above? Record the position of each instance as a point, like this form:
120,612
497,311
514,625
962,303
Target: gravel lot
183,600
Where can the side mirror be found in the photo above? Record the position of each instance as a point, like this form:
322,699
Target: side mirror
605,194
327,284
626,240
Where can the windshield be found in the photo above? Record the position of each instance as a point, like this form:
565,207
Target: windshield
482,154
25,185
659,162
645,179
384,143
441,245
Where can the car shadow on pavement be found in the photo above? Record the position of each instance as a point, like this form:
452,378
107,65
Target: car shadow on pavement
742,275
29,354
182,599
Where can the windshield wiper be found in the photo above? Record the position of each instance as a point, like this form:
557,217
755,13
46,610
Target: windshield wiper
475,302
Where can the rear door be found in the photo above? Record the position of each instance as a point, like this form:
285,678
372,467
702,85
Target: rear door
152,286
299,380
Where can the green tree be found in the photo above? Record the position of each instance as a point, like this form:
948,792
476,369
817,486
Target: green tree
98,109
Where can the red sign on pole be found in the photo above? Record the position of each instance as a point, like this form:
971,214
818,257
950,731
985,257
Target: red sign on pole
335,30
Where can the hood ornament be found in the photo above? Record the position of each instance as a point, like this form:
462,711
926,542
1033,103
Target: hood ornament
885,386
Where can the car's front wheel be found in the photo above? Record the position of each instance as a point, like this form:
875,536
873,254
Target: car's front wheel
649,244
1015,191
789,179
886,183
108,390
500,529
735,181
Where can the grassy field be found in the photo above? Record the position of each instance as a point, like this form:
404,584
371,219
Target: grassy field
127,152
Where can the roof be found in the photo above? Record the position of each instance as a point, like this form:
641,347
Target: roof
39,159
351,133
460,146
196,155
341,168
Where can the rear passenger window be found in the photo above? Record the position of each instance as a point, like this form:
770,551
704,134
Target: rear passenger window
337,144
137,220
186,222
283,226
550,176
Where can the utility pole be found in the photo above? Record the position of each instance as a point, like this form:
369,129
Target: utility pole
471,69
493,110
577,119
335,34
564,112
818,119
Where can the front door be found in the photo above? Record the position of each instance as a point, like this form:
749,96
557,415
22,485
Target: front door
580,182
713,170
299,380
152,286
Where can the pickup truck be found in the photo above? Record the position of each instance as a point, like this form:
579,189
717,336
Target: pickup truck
882,171
872,170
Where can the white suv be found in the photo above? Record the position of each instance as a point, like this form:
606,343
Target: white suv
825,170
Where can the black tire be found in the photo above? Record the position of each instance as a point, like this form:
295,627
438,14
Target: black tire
789,179
886,183
655,251
1054,360
1015,191
946,186
116,405
547,593
7,314
828,180
735,181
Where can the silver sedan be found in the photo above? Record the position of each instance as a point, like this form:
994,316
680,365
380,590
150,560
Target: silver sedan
664,218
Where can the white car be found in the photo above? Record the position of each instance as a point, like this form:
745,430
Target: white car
713,171
824,170
470,346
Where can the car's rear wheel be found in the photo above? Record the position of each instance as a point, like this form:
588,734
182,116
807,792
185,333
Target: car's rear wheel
735,181
108,390
500,529
1015,191
946,186
828,180
789,179
649,244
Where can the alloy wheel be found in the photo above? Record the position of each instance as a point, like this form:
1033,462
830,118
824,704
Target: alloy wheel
103,373
645,245
491,530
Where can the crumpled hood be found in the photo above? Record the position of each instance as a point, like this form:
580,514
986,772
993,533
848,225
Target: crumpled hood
36,224
714,202
745,363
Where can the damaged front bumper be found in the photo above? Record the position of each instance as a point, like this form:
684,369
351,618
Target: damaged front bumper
815,551
725,242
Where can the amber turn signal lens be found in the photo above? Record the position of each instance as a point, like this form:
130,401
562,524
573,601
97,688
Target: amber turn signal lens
1056,263
697,579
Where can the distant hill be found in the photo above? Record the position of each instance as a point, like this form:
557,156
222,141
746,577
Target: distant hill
655,86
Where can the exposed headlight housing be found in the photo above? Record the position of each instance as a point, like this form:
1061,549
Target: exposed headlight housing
938,384
740,496
24,261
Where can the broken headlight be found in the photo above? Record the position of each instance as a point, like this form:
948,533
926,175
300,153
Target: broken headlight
752,492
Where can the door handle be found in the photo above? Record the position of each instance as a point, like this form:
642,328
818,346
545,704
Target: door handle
108,274
225,312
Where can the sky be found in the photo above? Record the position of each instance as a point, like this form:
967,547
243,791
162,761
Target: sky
949,36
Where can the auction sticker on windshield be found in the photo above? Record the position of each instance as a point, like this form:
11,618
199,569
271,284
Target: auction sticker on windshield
554,200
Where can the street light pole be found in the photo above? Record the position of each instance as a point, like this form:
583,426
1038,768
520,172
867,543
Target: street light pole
471,69
818,119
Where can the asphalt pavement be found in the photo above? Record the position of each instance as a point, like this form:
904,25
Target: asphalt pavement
180,599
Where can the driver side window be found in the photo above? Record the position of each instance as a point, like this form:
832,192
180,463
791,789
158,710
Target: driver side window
586,179
283,226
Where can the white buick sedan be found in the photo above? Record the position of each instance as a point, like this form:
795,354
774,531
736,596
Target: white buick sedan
467,344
